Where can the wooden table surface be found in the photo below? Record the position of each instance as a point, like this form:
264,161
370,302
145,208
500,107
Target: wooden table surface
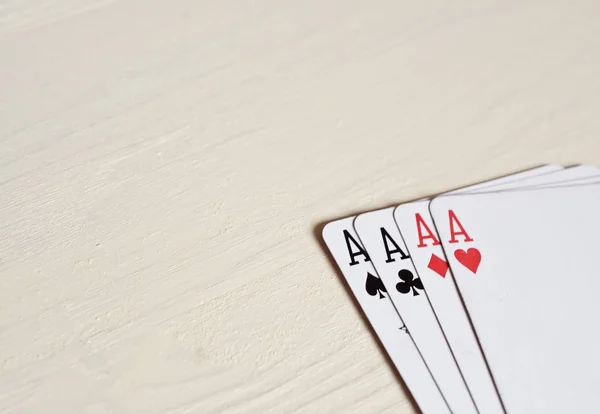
165,168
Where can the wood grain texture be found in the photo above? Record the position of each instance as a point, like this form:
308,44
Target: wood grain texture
164,166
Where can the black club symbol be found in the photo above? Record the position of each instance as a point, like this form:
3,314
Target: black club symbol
408,282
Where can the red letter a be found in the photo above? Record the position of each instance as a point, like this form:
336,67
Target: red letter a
453,233
421,225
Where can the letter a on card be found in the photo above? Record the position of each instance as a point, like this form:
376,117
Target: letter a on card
422,227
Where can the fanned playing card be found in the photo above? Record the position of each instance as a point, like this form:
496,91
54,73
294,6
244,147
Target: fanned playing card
525,265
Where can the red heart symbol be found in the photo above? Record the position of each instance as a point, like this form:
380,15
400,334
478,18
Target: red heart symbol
469,259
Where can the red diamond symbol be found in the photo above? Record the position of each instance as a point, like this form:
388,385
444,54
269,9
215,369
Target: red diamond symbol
439,266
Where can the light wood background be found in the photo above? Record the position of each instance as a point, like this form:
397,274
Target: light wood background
165,167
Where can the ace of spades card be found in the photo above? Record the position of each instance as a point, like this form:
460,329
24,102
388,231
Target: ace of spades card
372,296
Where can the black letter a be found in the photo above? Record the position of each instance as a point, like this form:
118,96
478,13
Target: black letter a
353,254
386,236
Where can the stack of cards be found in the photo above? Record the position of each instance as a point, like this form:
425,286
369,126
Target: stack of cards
486,298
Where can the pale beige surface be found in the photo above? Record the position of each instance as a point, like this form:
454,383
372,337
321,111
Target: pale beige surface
164,165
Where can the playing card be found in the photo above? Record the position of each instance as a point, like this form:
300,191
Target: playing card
422,241
379,234
524,262
355,265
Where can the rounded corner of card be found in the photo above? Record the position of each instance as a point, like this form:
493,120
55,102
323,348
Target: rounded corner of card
327,229
358,221
433,203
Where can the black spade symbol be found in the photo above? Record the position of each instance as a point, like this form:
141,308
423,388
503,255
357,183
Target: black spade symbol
374,286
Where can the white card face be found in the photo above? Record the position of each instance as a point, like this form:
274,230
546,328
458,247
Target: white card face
354,263
525,265
422,241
